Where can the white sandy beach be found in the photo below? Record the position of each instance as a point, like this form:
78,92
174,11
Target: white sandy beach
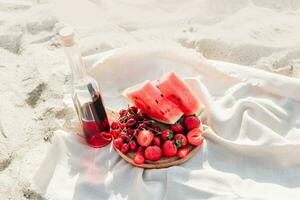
35,81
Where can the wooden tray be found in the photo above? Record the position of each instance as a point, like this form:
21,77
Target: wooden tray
163,163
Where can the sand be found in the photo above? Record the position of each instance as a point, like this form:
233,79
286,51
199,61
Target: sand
35,81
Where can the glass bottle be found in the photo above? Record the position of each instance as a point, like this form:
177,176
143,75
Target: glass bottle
86,95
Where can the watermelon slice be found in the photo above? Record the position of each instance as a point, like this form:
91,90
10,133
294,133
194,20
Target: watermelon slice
148,99
177,91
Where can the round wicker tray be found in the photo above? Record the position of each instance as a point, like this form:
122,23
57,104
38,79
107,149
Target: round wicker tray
163,163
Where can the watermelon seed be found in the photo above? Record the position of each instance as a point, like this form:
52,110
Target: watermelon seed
162,95
156,101
173,95
148,107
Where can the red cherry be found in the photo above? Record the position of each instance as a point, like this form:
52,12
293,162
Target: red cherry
133,109
122,112
130,131
125,148
157,128
123,136
142,126
133,145
114,125
142,116
140,150
130,122
123,119
118,143
115,133
147,123
122,126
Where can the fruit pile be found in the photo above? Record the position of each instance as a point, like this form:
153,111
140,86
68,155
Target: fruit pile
150,140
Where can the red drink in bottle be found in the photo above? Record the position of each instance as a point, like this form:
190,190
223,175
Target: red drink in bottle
96,126
86,96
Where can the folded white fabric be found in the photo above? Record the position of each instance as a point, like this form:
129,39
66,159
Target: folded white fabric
252,146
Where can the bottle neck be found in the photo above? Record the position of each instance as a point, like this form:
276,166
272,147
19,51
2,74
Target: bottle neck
75,62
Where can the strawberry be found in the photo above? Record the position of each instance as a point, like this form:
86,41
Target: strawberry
195,137
180,140
191,122
153,153
166,134
115,133
138,159
145,137
177,128
118,143
169,148
183,152
125,148
156,141
114,125
132,145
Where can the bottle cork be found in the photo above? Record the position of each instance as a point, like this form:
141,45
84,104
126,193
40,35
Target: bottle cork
67,36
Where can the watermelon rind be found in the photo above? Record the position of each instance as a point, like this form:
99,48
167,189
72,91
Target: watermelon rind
167,122
201,110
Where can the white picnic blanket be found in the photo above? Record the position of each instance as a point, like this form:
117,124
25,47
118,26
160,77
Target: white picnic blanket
252,146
